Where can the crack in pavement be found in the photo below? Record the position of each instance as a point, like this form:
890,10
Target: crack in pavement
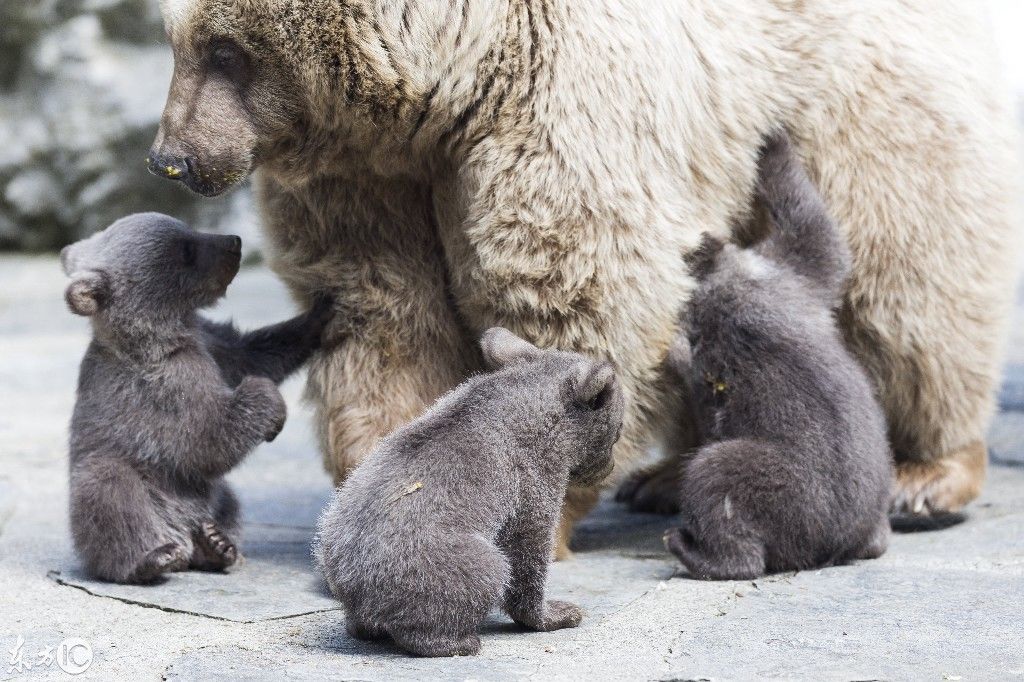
628,605
56,577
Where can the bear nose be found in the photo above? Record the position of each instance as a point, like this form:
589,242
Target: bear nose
234,244
168,166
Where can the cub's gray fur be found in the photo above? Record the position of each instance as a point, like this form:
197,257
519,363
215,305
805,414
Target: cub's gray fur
455,513
167,402
796,471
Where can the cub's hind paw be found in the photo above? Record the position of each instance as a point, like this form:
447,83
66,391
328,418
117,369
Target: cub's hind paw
164,559
438,646
361,631
217,551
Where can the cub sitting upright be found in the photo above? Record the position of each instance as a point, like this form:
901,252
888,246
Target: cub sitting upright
795,471
455,513
167,402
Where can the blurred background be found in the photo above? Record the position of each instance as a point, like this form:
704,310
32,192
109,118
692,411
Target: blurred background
82,84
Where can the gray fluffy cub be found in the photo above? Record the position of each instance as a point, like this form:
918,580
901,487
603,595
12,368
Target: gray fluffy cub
455,513
167,402
795,471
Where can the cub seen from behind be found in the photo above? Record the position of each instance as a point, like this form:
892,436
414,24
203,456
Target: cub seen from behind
455,513
168,402
795,469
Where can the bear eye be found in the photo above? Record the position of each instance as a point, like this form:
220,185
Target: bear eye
227,58
188,253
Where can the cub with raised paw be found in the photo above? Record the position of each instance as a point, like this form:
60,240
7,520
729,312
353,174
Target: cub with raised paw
168,402
456,512
795,471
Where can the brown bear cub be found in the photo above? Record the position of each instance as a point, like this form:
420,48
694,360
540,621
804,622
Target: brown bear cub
796,471
167,402
455,513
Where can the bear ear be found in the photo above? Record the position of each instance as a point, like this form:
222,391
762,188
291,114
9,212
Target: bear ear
595,384
701,260
88,292
67,259
500,347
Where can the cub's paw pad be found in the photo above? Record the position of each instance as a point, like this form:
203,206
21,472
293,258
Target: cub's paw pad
218,545
561,614
164,559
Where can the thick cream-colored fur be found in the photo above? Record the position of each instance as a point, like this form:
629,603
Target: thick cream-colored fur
543,164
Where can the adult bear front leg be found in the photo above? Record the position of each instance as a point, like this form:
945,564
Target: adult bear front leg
395,345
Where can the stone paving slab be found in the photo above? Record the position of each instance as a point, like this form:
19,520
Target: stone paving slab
940,605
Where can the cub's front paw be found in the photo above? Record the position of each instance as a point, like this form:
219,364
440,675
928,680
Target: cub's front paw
556,615
319,316
267,402
277,420
559,615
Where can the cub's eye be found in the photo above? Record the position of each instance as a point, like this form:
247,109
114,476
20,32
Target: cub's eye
188,253
229,59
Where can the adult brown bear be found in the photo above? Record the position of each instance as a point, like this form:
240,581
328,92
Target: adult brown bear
444,166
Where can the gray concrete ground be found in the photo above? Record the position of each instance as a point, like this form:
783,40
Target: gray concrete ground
940,605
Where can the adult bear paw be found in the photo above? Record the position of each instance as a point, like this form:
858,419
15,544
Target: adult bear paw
652,490
944,485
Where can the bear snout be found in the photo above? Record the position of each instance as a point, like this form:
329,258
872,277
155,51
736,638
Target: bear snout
168,166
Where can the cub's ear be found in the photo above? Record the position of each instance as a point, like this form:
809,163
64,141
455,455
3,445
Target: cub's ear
595,384
88,292
67,259
701,261
500,347
680,355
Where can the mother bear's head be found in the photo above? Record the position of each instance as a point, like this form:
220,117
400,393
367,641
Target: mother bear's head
303,87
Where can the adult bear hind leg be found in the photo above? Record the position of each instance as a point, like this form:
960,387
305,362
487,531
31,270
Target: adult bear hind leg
932,220
938,397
